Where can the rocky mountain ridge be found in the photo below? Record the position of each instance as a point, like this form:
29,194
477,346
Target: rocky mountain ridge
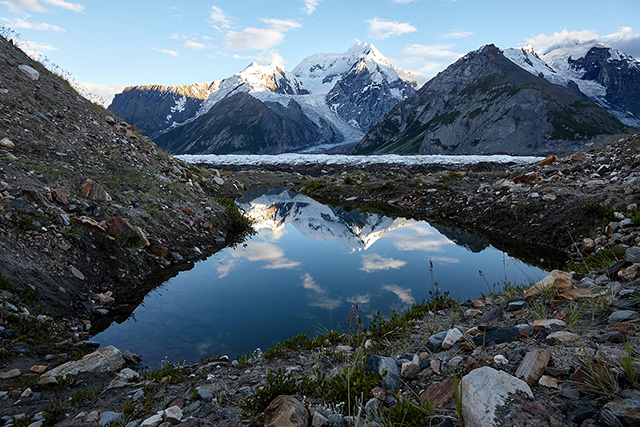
338,97
486,103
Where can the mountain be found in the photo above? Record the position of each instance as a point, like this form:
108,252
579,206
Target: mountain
486,103
154,108
328,99
603,74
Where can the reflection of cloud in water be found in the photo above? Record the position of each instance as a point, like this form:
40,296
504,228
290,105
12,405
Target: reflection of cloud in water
376,262
403,293
444,260
360,299
267,252
319,298
417,236
225,266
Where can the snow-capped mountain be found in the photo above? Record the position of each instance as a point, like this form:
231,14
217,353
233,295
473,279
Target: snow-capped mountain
490,102
328,99
357,230
602,74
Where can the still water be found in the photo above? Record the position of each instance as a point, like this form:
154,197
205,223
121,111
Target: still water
302,272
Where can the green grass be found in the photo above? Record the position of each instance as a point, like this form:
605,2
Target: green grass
601,259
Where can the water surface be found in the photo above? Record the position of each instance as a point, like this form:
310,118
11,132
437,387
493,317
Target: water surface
302,272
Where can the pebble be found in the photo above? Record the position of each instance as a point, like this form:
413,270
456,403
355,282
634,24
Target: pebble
623,316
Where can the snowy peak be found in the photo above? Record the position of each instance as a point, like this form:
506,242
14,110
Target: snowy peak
268,78
320,72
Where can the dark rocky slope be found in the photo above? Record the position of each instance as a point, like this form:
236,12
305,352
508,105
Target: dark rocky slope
484,103
88,205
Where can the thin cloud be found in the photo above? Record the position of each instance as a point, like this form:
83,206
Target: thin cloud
319,297
403,1
457,34
624,39
167,51
360,299
21,5
102,94
425,53
310,6
403,293
269,253
190,44
75,7
382,29
41,26
219,19
310,284
252,38
376,262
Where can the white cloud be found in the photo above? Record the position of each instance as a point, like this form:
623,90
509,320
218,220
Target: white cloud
425,53
167,51
403,1
457,34
382,29
319,297
624,39
309,283
252,38
42,26
271,254
310,6
190,44
101,94
376,262
76,7
20,5
219,19
360,299
402,293
444,260
418,237
33,49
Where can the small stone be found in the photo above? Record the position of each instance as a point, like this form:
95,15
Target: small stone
532,366
492,315
439,393
128,374
615,337
10,374
319,420
153,421
626,409
472,312
173,414
478,304
623,316
434,343
453,336
632,254
516,304
581,413
534,408
7,143
109,417
344,349
548,381
410,370
205,393
286,411
497,336
562,337
553,324
499,359
609,355
379,393
138,395
629,273
387,368
556,279
110,120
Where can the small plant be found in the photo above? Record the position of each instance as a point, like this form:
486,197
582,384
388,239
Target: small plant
626,363
277,383
83,396
600,379
512,291
314,185
172,372
491,291
238,221
53,414
573,315
407,413
538,310
600,259
457,396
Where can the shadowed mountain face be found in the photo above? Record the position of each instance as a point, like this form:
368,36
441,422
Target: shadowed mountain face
485,103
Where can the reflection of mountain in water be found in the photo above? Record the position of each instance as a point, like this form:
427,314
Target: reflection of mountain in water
462,238
274,208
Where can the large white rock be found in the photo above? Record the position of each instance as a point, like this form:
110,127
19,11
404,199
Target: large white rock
29,71
108,359
483,390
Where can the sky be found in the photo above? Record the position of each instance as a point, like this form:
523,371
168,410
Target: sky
106,45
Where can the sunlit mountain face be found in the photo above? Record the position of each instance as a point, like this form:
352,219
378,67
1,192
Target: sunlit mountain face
357,230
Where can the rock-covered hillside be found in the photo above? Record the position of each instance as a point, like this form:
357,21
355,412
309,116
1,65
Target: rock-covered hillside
485,103
87,204
328,99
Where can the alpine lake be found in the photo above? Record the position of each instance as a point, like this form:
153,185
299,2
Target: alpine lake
307,267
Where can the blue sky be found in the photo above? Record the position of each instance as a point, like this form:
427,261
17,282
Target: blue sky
116,43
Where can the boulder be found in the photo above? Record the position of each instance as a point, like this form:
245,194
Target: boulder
556,279
532,366
453,336
286,411
92,190
483,390
439,393
30,72
108,359
387,368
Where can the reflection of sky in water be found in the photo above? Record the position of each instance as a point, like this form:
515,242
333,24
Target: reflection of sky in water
302,273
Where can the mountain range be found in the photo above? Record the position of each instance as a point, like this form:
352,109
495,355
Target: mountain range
328,99
489,101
